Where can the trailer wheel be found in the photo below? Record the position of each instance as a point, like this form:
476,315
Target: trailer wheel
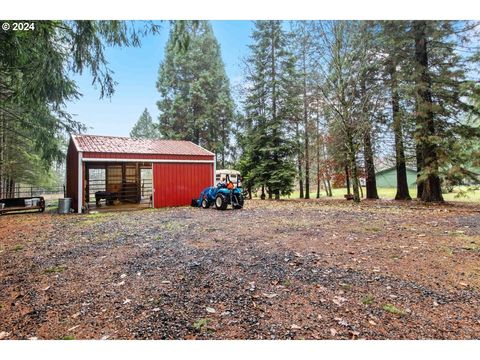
221,202
205,204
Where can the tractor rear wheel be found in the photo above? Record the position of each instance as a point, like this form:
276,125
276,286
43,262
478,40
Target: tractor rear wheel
221,202
205,204
240,202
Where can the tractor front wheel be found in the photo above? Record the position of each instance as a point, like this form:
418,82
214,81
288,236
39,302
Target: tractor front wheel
221,202
205,204
239,203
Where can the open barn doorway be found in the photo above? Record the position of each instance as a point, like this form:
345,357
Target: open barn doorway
118,185
146,185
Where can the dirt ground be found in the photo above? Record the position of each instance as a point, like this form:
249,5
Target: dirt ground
324,269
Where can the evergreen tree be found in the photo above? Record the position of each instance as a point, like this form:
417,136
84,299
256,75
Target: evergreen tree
443,90
302,46
395,45
35,82
145,128
195,102
272,97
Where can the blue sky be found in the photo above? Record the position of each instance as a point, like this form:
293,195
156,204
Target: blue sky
135,70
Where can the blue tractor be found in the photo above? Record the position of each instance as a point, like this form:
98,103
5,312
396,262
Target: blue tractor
222,195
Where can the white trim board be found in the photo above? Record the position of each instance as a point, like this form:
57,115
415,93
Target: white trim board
80,183
146,160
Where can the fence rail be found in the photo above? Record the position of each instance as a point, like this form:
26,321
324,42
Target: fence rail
51,194
130,192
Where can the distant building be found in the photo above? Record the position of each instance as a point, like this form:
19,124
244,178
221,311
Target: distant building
387,178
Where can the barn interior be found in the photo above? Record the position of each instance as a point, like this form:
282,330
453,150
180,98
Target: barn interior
118,185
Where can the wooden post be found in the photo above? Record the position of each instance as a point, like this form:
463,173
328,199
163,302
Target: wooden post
137,181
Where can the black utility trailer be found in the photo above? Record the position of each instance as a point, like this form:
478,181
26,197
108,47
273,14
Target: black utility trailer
36,203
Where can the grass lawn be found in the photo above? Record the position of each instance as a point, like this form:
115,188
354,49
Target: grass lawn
389,193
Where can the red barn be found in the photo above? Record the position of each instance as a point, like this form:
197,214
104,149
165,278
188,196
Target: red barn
108,170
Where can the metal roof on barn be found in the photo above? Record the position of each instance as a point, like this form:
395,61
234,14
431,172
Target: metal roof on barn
126,145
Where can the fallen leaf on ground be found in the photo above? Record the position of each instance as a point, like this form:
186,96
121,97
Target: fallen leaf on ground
210,310
338,300
270,296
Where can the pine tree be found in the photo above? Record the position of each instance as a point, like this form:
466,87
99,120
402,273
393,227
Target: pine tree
268,106
35,82
302,44
145,128
394,44
443,90
195,101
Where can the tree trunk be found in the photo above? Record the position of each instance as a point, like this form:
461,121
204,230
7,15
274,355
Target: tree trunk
318,152
370,181
425,123
418,154
277,194
402,183
318,180
12,188
274,108
354,174
352,162
353,165
262,195
329,185
347,178
300,178
299,161
305,125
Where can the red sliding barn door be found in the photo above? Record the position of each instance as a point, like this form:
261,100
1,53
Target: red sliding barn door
176,184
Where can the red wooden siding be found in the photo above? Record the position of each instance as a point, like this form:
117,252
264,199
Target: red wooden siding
72,174
176,184
93,155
